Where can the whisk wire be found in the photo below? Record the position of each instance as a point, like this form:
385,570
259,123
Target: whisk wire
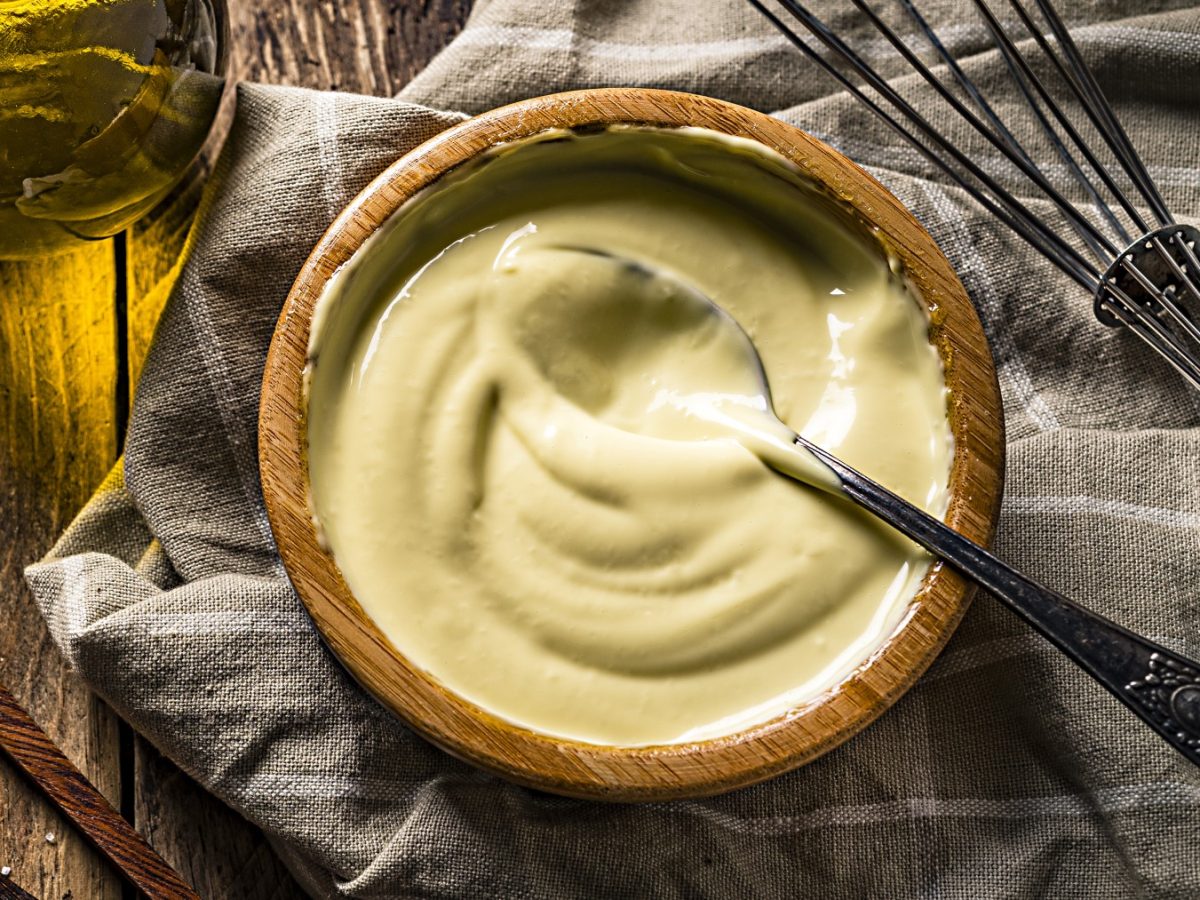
1030,84
1002,131
1020,160
1165,297
1076,138
1190,260
1098,108
1005,206
959,75
1143,323
1185,280
1140,284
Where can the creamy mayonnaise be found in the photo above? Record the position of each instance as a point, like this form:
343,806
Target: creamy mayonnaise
509,466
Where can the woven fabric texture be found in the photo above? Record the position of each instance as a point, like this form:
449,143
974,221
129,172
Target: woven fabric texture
1003,773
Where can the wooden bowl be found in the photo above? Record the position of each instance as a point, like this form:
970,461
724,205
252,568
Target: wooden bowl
641,773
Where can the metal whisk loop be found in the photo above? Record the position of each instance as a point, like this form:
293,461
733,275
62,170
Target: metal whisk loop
1145,288
1148,286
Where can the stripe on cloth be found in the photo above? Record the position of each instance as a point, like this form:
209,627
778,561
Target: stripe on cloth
1125,798
1032,504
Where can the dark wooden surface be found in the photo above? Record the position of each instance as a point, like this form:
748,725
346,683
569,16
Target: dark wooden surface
60,417
91,813
57,439
10,890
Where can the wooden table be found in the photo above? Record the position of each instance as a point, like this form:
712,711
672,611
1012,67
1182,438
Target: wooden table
72,338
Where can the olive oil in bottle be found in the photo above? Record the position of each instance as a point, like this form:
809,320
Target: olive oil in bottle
103,106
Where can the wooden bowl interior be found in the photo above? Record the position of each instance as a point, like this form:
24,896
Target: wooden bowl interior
642,773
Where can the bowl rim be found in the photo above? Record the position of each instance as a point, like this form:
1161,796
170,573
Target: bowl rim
575,768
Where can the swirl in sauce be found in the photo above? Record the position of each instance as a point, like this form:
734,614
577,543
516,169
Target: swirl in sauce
514,500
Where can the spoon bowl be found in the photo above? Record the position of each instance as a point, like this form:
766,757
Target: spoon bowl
649,352
652,354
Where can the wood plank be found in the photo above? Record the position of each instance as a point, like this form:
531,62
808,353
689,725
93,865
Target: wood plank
216,851
364,46
57,441
27,745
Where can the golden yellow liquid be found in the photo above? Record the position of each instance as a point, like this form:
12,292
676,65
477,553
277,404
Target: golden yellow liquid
103,105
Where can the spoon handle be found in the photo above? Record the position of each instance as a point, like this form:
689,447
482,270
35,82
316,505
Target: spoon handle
1161,687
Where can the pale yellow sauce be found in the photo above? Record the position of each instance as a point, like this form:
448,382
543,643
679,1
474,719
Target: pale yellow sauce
540,469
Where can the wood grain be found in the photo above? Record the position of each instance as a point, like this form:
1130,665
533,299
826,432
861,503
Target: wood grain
642,773
212,847
363,46
57,441
27,745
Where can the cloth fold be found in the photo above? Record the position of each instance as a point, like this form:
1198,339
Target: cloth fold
1003,773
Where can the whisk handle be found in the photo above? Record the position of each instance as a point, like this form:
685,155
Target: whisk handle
1158,685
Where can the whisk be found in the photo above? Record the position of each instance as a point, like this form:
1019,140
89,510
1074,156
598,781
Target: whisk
1142,274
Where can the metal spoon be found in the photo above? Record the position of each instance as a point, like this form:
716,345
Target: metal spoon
1159,686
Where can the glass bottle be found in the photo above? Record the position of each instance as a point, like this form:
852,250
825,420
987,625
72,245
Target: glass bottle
103,106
